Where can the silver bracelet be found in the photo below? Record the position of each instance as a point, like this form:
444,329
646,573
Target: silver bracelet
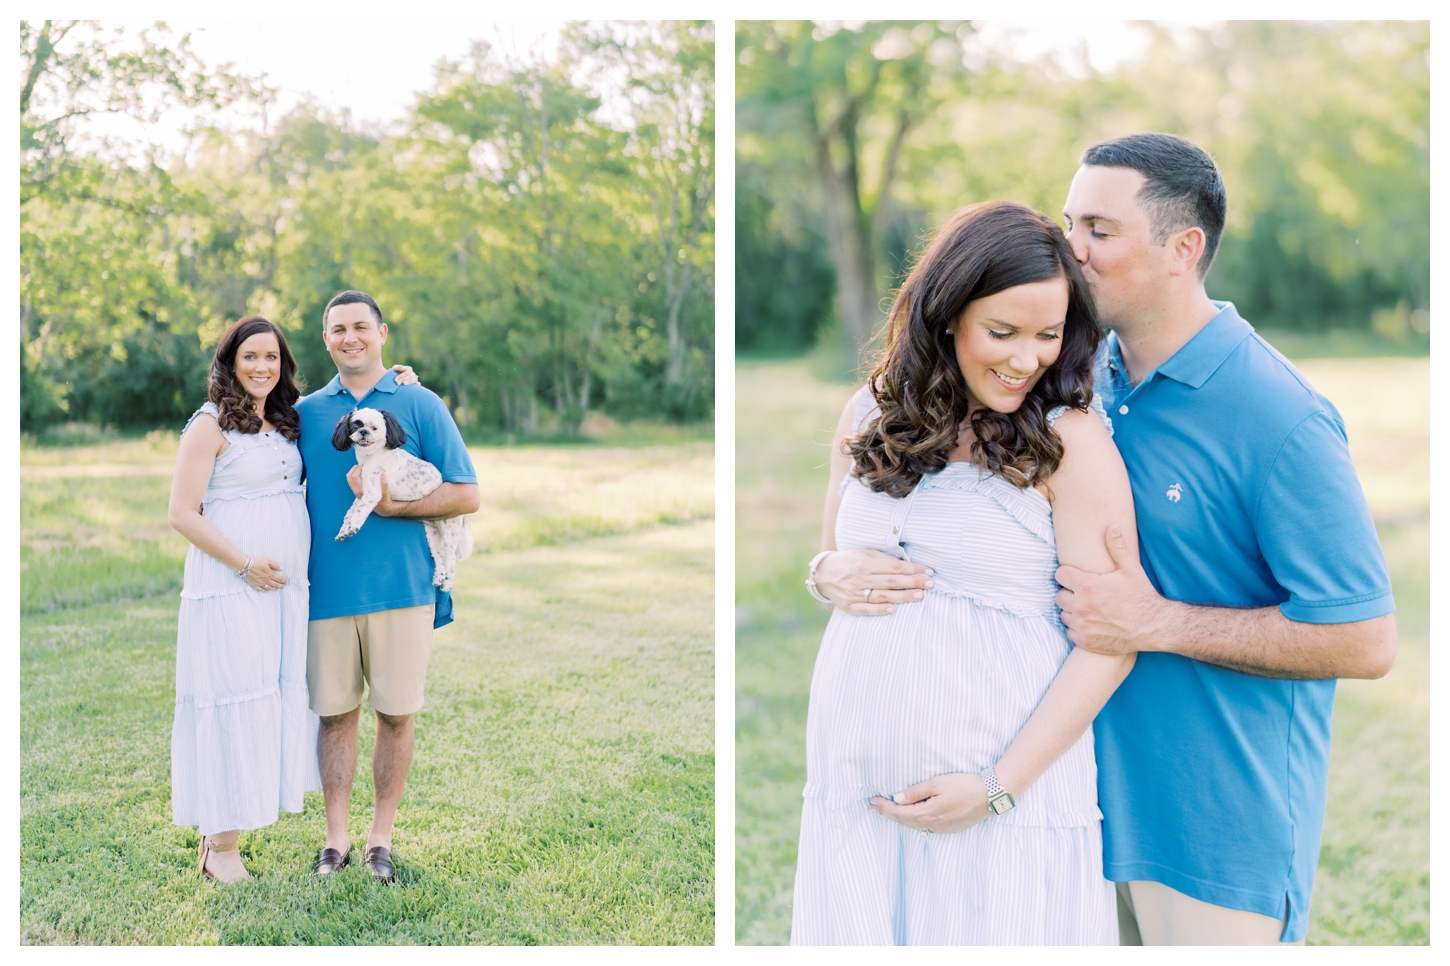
811,578
246,568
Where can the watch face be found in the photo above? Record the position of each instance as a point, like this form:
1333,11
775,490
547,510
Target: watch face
1000,803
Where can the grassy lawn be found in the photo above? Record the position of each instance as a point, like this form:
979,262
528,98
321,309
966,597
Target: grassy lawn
1372,885
563,785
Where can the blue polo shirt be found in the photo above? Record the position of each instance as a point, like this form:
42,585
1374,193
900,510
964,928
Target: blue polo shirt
386,564
1213,782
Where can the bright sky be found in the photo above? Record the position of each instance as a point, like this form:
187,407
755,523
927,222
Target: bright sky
1106,43
374,68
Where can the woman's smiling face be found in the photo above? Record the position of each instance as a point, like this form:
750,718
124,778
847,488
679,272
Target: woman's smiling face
259,364
1006,341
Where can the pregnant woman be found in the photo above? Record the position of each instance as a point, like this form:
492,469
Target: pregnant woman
243,742
951,790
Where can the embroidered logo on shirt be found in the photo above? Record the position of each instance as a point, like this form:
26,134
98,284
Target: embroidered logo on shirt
1175,492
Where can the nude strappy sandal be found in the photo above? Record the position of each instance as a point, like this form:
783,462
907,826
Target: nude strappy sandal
206,848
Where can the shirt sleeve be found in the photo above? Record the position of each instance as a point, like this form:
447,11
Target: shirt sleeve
1316,533
441,443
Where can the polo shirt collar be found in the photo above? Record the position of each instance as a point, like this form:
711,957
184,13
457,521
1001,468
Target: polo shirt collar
386,384
1112,357
1201,356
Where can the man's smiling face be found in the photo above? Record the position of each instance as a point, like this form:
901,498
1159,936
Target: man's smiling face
1112,236
354,339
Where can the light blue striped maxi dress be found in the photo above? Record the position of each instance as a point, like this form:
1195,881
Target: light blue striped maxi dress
243,741
943,685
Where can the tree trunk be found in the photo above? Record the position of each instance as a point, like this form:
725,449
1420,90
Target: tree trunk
855,222
520,411
675,359
463,413
851,253
531,414
587,379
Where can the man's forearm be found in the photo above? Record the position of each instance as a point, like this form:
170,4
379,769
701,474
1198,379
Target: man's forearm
448,500
1262,641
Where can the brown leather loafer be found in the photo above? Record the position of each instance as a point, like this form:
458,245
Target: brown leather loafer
380,863
330,861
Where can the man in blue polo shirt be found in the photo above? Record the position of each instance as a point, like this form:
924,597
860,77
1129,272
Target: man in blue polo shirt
1261,578
373,604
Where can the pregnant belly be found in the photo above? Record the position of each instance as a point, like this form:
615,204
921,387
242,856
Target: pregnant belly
941,686
275,526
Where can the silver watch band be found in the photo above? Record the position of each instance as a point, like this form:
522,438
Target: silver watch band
999,800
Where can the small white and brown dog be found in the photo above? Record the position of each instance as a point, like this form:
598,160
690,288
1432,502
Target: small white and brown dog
376,436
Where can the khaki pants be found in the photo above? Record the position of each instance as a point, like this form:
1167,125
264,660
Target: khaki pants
1151,914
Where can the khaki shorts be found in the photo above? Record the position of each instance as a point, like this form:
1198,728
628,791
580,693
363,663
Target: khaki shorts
388,649
1152,914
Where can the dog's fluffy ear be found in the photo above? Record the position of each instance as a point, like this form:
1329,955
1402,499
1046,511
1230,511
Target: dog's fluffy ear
395,435
342,436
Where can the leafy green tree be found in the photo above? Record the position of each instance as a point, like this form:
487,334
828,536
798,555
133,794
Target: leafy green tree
784,282
537,253
1323,134
1321,131
670,154
846,97
75,70
526,171
100,299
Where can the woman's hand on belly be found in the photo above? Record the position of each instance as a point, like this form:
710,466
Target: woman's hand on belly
947,803
844,576
266,574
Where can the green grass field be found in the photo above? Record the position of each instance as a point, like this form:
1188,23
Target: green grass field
563,785
1374,868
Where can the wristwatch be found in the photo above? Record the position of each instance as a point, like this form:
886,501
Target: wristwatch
999,800
811,578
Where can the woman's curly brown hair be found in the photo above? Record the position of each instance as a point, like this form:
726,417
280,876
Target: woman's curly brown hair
984,249
235,409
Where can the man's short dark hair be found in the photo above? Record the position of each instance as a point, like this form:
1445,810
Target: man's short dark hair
351,297
1183,187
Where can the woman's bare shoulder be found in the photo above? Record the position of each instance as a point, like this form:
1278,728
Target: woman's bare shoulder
1089,456
203,436
1078,429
